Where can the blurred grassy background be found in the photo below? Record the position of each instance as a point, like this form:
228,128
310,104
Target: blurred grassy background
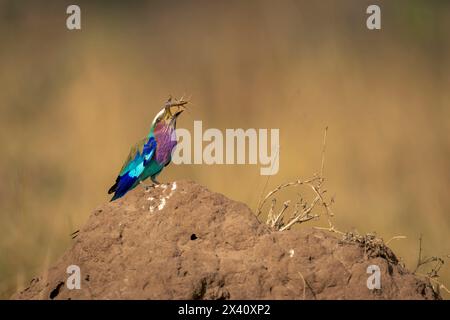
72,103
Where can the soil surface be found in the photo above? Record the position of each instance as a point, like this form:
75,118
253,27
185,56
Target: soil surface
182,241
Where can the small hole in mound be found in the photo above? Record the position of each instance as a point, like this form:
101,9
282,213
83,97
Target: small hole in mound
55,291
193,236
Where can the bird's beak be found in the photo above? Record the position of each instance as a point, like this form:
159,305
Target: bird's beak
175,108
173,112
178,111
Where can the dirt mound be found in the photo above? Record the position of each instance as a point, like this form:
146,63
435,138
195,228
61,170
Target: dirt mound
182,241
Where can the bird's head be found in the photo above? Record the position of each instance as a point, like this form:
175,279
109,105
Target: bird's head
169,114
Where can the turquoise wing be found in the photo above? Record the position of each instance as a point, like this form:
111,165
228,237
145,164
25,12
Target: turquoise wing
139,157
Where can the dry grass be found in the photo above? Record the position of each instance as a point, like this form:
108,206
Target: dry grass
72,104
302,209
373,245
432,274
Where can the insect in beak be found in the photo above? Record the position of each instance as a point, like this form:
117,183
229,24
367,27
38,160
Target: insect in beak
178,105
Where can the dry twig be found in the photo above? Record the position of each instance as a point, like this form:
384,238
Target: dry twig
433,274
304,285
302,211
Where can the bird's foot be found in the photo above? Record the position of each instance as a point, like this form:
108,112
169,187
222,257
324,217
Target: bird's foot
156,182
147,187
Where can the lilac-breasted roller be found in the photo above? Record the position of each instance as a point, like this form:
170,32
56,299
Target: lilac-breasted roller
149,156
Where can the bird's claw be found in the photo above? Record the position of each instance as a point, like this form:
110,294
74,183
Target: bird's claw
155,182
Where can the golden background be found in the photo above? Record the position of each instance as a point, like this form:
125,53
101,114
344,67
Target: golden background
73,102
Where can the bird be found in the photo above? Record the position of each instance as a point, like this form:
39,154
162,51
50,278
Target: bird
148,157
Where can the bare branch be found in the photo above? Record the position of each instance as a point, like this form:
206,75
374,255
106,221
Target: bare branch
395,238
302,210
303,216
272,208
323,152
440,284
278,219
304,285
283,186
